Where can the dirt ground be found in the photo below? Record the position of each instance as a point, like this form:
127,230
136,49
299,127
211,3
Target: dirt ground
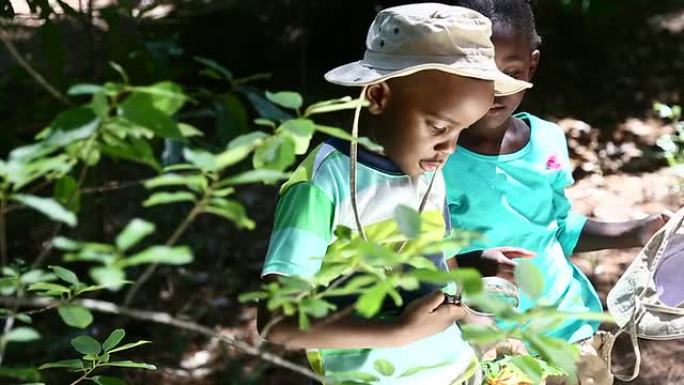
621,197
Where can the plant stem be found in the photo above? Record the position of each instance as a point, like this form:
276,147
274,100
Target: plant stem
7,41
83,377
81,179
167,319
170,242
3,231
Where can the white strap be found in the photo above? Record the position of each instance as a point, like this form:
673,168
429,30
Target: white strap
353,154
632,326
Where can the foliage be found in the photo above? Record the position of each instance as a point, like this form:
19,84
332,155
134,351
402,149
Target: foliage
672,145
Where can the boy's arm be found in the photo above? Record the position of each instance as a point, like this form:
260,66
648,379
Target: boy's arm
598,235
423,317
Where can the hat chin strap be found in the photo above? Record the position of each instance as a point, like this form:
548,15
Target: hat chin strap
353,154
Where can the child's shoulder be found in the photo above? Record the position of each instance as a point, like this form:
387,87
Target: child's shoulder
541,129
324,166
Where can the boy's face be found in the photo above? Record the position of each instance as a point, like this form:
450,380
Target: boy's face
514,58
419,117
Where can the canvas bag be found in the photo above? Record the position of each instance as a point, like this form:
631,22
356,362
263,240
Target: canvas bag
648,300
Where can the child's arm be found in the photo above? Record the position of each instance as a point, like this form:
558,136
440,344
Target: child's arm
422,318
619,235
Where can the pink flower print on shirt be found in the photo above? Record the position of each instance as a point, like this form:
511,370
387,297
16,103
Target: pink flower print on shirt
553,163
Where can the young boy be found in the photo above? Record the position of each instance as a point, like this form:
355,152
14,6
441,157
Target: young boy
428,73
508,178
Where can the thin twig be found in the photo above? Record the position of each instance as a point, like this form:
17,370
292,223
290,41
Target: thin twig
7,41
170,242
167,319
3,231
81,179
111,186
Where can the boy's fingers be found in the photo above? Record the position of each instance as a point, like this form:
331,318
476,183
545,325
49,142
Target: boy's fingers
433,300
517,252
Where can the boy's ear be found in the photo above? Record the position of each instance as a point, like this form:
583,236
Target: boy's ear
378,95
534,62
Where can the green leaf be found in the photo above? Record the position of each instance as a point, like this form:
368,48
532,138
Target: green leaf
530,367
129,346
25,318
66,192
76,316
23,374
22,334
554,351
276,153
231,156
482,334
47,206
108,276
131,364
263,106
530,279
250,140
71,126
200,158
371,300
135,231
230,210
301,131
344,103
105,380
408,220
252,296
65,275
64,243
264,122
86,345
35,275
285,99
256,176
162,198
189,131
86,89
113,340
119,69
165,96
70,364
49,288
140,110
194,181
384,367
223,71
342,134
177,255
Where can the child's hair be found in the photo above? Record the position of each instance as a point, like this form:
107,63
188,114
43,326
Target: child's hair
514,14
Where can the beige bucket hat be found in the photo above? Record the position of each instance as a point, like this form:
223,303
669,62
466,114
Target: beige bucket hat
410,38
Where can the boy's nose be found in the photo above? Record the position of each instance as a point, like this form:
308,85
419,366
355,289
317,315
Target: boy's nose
448,145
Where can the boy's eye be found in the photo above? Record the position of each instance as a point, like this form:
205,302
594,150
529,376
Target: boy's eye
438,127
514,75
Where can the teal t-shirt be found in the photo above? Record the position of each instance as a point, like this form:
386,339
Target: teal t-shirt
313,203
519,200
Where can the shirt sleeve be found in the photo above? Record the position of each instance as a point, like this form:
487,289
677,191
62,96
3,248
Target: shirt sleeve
570,223
301,232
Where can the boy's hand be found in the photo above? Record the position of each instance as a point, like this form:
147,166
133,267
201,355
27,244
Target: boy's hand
428,316
651,225
499,261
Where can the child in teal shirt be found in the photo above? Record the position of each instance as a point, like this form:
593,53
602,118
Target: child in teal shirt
508,176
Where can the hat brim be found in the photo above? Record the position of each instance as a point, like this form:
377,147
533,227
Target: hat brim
358,74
